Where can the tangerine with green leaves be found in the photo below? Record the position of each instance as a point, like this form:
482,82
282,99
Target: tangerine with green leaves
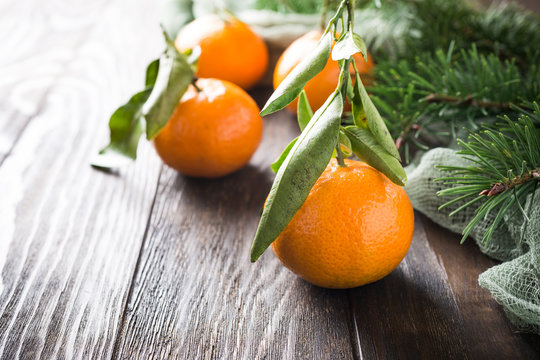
214,130
230,50
354,228
324,83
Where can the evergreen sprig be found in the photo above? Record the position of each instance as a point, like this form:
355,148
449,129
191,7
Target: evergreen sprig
509,32
413,26
426,101
504,29
504,170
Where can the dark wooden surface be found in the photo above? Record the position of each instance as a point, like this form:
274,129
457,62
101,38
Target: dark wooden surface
146,263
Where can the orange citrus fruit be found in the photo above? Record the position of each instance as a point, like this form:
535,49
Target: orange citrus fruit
230,50
213,131
323,84
354,228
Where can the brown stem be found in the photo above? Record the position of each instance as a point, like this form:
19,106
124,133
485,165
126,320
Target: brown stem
500,187
194,83
339,156
411,128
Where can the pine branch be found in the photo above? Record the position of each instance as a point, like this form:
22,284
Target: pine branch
510,32
468,100
404,28
506,30
289,6
505,168
426,101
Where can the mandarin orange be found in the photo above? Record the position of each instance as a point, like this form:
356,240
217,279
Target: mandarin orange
230,50
214,130
354,228
323,84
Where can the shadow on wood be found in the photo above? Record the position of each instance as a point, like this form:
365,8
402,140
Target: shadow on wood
413,306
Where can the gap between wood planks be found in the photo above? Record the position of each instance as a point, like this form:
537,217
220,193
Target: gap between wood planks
197,294
48,302
135,270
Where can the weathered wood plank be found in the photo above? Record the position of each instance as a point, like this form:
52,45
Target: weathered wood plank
37,40
485,326
70,235
412,313
196,294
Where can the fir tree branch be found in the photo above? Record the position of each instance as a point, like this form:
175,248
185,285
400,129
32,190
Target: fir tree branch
504,170
440,93
468,100
497,188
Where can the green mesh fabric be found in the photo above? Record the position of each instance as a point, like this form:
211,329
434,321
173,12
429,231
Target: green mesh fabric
515,283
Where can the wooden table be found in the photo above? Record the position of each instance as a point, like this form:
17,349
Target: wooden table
146,263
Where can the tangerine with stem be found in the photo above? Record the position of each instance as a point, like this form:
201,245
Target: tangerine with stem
214,130
354,228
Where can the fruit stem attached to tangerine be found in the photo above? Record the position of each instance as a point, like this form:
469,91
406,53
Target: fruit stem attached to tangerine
194,83
339,156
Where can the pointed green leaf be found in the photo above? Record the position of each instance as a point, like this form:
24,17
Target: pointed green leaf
126,129
367,149
345,144
359,116
291,86
151,73
360,45
126,126
304,112
348,46
277,164
300,170
173,78
193,56
375,122
350,89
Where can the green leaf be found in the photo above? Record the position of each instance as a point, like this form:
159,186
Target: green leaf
304,113
345,144
348,46
375,122
193,56
367,149
359,116
173,78
277,164
151,73
300,170
126,129
350,89
293,84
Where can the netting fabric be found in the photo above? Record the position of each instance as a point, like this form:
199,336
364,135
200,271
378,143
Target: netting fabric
515,283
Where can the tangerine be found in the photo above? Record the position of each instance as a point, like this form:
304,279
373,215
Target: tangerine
323,84
230,50
214,130
354,228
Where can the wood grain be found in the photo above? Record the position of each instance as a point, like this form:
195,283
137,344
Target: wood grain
38,39
146,263
412,313
196,294
485,326
70,235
